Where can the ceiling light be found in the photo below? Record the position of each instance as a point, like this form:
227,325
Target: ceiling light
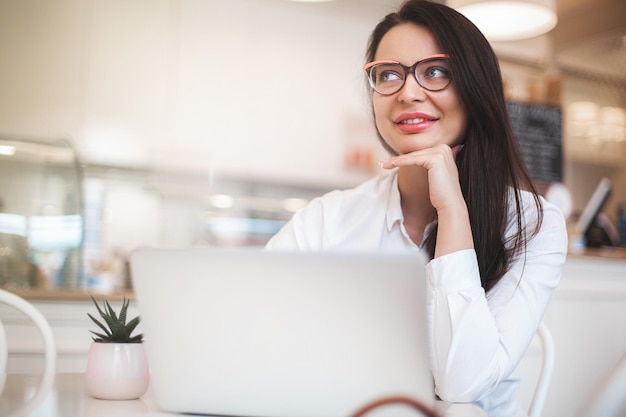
222,201
508,20
7,150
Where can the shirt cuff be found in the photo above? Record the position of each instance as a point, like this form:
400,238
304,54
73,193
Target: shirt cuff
454,272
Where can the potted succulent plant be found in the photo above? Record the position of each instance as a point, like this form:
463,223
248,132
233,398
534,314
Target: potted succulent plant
117,367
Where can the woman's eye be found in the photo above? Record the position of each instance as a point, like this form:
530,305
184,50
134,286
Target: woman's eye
436,72
389,75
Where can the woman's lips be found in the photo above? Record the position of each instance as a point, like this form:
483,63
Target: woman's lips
414,122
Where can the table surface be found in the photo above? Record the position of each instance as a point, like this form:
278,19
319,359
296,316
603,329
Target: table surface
65,395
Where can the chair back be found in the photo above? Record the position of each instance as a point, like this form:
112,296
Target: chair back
40,321
535,371
545,373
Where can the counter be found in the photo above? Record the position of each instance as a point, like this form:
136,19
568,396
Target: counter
600,253
591,254
65,395
70,295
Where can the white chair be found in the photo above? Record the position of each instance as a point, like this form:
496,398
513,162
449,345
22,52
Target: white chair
40,321
47,379
545,373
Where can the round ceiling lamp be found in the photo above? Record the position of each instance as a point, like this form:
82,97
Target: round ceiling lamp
509,20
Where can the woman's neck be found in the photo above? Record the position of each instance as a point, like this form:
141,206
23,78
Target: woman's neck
415,201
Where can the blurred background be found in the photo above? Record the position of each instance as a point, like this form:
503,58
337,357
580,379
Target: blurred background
194,122
177,123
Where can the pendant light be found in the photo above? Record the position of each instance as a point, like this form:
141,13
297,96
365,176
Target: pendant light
509,20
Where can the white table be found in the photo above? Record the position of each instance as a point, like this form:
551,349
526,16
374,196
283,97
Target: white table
65,395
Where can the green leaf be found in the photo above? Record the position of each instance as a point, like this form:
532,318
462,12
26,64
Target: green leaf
111,312
115,328
123,310
102,326
132,324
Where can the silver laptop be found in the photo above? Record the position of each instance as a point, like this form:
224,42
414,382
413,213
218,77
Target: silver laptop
242,332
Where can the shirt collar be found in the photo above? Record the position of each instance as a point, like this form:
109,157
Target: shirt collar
394,207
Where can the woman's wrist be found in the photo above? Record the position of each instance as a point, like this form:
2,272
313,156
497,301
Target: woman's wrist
454,231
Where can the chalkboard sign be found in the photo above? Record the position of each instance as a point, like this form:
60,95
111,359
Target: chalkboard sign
538,131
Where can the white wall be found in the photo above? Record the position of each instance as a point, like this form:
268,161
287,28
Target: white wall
247,87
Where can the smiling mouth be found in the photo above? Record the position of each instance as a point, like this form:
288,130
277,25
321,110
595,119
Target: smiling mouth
414,121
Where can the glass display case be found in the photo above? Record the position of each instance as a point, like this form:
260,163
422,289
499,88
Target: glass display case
41,216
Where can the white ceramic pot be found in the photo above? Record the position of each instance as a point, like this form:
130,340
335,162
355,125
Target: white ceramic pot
117,371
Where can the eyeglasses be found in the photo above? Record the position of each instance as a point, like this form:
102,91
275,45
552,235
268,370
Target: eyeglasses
388,77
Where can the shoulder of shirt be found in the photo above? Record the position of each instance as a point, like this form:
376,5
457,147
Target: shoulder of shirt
551,213
349,206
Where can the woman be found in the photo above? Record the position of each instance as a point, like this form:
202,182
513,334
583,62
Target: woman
455,187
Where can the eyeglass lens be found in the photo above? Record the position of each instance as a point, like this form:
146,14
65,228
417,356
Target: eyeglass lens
389,78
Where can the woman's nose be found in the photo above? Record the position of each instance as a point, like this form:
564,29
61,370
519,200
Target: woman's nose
411,90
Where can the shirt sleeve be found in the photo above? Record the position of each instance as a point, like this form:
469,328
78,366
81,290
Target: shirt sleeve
478,339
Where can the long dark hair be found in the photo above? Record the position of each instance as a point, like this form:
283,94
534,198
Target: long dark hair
490,163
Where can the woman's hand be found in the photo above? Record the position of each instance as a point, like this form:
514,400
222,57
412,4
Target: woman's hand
443,176
454,231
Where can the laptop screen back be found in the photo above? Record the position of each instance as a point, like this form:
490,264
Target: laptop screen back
242,332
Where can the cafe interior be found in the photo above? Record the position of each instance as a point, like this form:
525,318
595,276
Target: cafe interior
201,123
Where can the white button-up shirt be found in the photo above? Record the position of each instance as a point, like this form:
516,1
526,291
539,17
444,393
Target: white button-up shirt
476,339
